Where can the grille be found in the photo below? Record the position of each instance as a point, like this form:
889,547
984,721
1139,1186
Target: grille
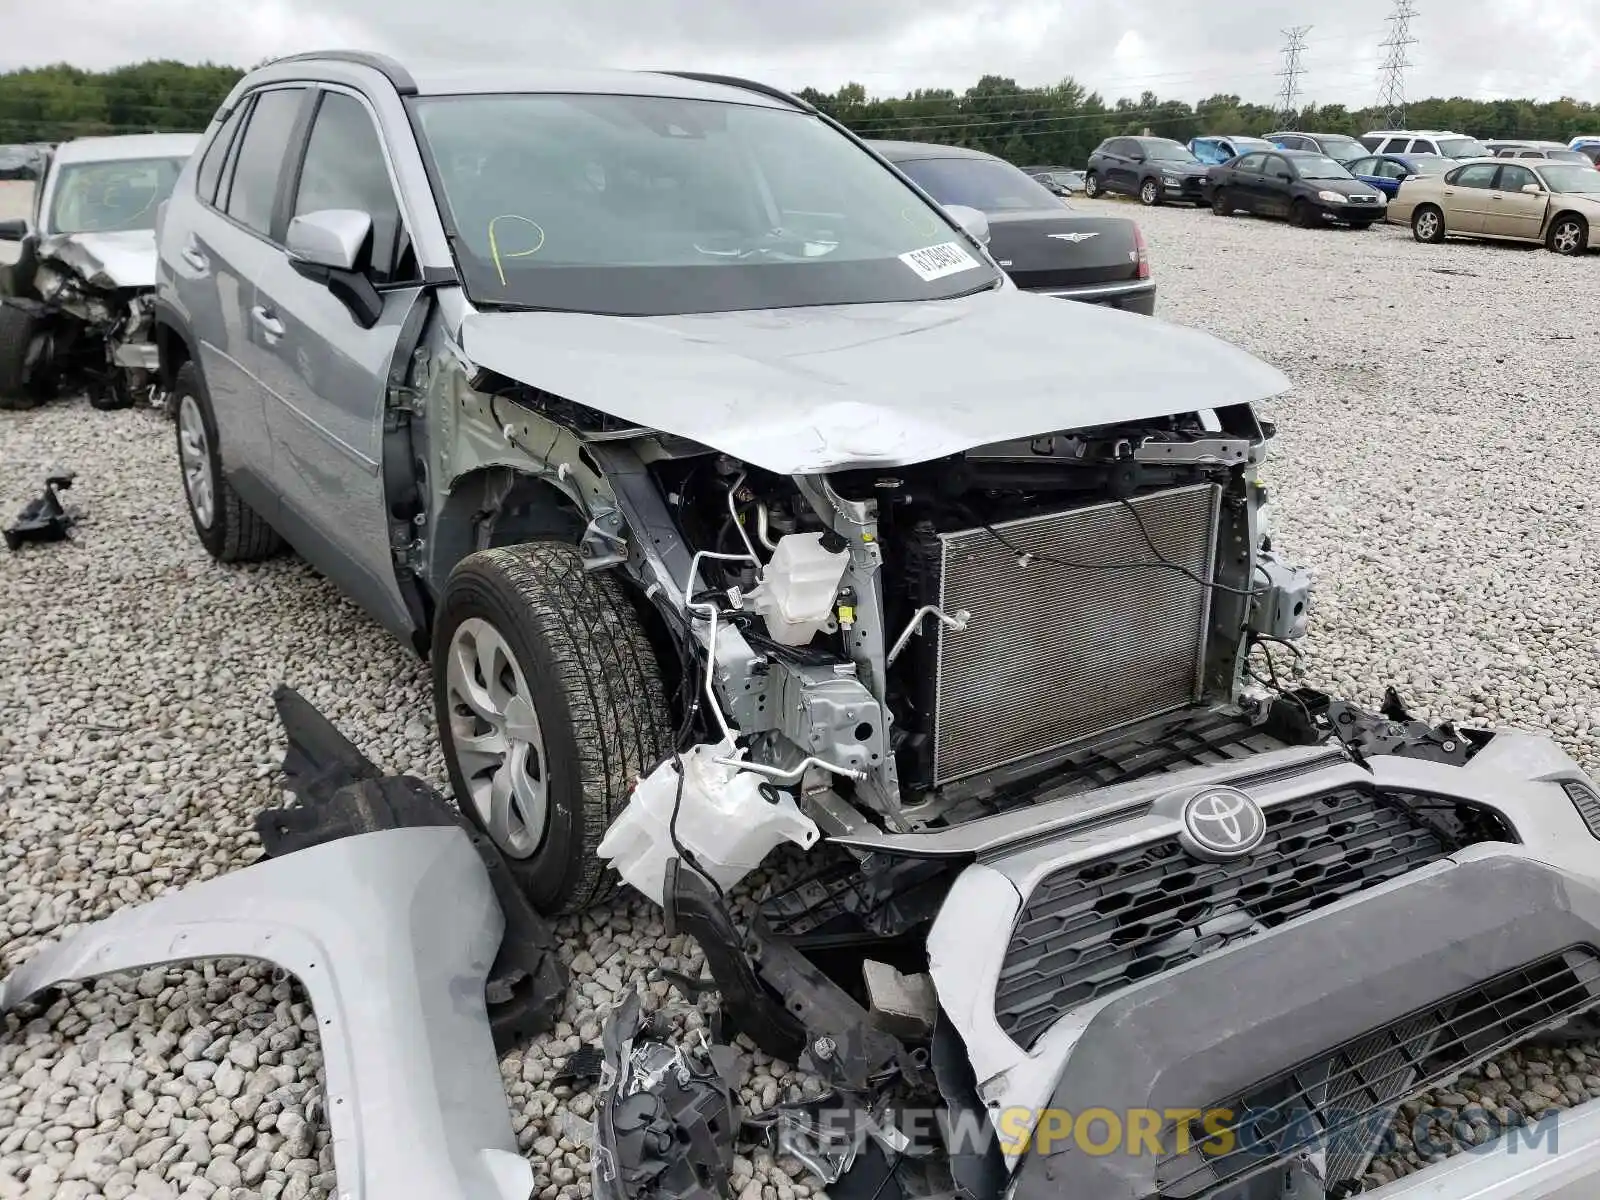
1343,1101
1055,654
1092,928
1586,802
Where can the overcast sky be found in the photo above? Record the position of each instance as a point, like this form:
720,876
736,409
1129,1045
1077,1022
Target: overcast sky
1177,48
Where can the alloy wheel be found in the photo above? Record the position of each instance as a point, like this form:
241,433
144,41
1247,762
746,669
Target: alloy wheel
194,450
495,736
1428,226
1566,238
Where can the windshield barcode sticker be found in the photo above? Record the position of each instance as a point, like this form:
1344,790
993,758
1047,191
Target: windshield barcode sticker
935,262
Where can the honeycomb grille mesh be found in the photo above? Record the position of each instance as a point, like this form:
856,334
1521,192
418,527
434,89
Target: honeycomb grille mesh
1095,927
1055,654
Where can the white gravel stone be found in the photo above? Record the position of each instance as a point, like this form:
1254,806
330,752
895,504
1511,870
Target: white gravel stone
1433,466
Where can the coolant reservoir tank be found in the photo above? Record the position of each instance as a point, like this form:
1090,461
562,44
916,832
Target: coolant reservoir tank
798,587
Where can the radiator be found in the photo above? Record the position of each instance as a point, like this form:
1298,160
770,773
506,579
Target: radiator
1055,654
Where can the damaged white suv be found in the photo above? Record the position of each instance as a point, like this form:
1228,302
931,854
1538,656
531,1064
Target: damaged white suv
738,497
75,306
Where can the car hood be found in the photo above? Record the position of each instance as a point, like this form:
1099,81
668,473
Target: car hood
819,389
1345,187
124,259
1180,168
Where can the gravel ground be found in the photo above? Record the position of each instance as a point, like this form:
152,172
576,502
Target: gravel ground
1431,464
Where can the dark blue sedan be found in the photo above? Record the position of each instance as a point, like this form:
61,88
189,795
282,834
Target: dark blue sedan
1387,172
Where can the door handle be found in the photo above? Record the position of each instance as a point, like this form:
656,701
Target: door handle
195,259
270,325
1496,196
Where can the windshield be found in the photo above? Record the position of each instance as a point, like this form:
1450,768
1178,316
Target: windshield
644,205
1320,166
1343,149
1463,147
100,197
982,183
1165,151
1564,178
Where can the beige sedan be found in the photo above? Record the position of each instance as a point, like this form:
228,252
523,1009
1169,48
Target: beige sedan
1528,200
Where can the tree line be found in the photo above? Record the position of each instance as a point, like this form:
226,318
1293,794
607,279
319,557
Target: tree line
1059,124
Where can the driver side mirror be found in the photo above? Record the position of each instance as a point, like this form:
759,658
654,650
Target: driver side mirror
333,247
1136,156
13,230
1285,176
972,220
1533,189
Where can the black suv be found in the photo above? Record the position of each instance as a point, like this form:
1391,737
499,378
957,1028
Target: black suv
1153,169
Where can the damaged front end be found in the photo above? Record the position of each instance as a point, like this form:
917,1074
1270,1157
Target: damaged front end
88,301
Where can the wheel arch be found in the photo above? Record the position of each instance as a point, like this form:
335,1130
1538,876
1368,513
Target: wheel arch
499,505
175,344
495,506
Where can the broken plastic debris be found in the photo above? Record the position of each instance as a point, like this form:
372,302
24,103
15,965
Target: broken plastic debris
666,1119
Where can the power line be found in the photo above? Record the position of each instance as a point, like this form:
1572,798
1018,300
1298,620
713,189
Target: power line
1293,48
1392,76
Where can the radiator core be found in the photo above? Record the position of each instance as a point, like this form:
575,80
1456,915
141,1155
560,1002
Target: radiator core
1057,653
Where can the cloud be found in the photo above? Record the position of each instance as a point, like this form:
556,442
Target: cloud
1178,49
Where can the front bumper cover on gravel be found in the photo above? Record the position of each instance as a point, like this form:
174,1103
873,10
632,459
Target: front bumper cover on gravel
392,934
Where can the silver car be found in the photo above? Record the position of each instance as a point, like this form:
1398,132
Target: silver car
738,498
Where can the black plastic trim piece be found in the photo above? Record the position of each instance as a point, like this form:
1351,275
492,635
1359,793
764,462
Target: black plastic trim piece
389,68
745,85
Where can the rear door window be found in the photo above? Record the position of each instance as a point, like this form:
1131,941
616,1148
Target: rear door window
1478,175
210,172
263,158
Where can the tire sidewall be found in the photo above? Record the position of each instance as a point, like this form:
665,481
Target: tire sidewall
189,382
554,868
1091,185
1149,193
1219,203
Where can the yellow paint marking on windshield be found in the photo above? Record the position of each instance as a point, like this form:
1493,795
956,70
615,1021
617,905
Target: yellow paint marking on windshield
494,244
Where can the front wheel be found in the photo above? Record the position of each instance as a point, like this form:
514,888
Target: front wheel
1149,193
24,359
1300,214
1222,203
1568,235
550,704
1427,224
1091,185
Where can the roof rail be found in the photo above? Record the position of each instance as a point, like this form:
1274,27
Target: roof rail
382,63
748,85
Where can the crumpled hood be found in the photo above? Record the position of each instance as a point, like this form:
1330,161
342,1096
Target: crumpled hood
816,389
124,259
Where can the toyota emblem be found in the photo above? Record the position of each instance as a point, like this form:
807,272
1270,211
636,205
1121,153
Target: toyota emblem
1221,823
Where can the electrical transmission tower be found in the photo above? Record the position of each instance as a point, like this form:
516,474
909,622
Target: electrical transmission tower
1392,76
1289,94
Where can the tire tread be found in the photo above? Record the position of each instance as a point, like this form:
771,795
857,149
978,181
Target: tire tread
606,669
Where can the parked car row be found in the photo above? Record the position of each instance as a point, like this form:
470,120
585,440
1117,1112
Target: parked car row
1549,194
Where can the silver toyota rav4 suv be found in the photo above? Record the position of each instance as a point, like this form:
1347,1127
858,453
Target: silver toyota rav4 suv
738,498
